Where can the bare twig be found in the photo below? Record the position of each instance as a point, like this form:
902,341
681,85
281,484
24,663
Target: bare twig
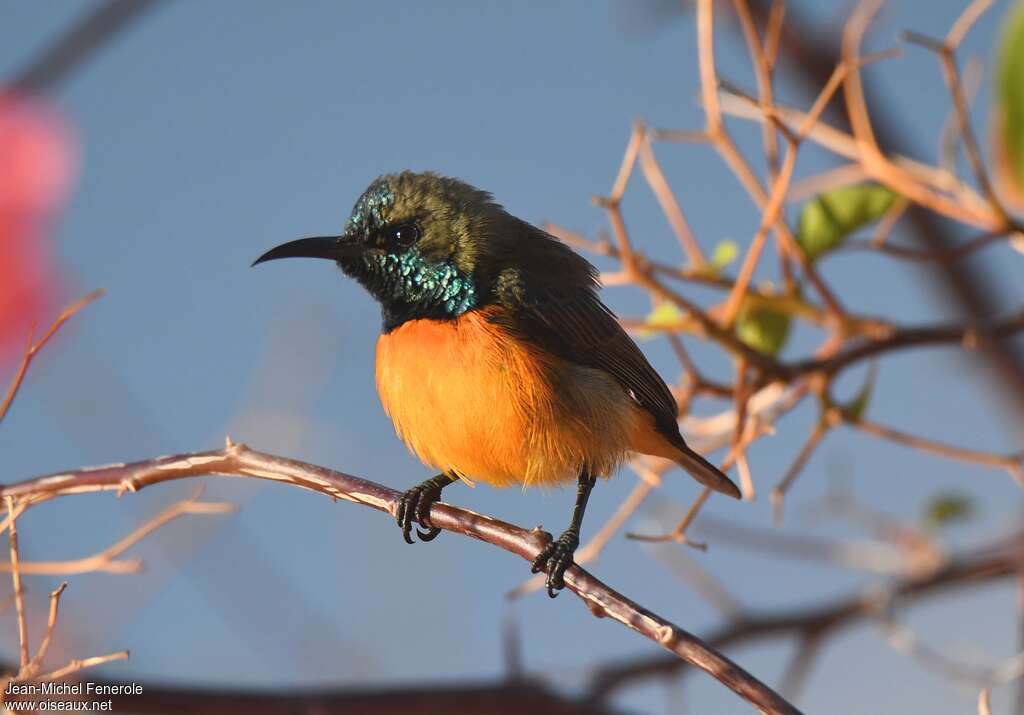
990,563
1009,462
697,578
902,338
660,186
946,51
763,67
106,561
81,664
679,533
779,490
239,461
800,666
13,510
35,346
945,255
949,137
589,551
723,143
51,624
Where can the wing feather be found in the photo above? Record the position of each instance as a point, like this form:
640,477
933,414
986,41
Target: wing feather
572,323
557,308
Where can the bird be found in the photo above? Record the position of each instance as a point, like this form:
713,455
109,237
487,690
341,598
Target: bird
497,360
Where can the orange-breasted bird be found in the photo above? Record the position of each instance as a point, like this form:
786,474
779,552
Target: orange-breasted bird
497,361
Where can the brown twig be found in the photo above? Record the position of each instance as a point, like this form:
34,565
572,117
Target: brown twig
984,708
878,164
726,338
807,188
763,67
903,338
799,667
238,461
772,207
603,247
891,217
697,578
669,206
946,50
949,136
845,146
81,664
778,492
990,563
723,143
1009,462
741,398
944,255
44,645
34,346
106,560
679,533
589,551
13,509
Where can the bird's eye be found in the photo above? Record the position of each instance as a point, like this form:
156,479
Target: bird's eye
404,234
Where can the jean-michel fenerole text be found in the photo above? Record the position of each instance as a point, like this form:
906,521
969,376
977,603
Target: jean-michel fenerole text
81,688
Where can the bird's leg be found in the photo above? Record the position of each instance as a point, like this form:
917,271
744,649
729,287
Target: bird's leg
557,555
414,506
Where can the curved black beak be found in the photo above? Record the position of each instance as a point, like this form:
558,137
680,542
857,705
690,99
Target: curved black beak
330,247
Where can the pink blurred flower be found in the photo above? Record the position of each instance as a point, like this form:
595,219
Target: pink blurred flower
36,166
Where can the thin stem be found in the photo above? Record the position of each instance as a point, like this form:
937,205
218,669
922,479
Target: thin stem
13,509
35,346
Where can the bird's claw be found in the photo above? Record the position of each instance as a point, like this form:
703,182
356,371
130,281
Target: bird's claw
414,506
557,556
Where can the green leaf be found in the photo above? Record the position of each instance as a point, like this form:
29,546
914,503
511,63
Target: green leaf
859,404
664,315
1008,139
945,509
827,220
762,329
725,253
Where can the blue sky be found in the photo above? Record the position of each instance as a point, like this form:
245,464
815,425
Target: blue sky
210,132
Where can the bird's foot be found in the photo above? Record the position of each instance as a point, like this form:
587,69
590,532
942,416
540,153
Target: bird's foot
414,506
557,556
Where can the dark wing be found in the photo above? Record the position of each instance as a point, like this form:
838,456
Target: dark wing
572,323
549,295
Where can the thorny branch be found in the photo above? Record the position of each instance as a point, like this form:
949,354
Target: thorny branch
239,461
851,338
813,53
29,666
925,192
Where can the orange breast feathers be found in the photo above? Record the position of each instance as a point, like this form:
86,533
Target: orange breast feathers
471,400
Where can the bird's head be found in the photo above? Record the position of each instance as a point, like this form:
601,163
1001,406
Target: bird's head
430,246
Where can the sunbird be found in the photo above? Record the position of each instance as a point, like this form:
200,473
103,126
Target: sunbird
497,360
